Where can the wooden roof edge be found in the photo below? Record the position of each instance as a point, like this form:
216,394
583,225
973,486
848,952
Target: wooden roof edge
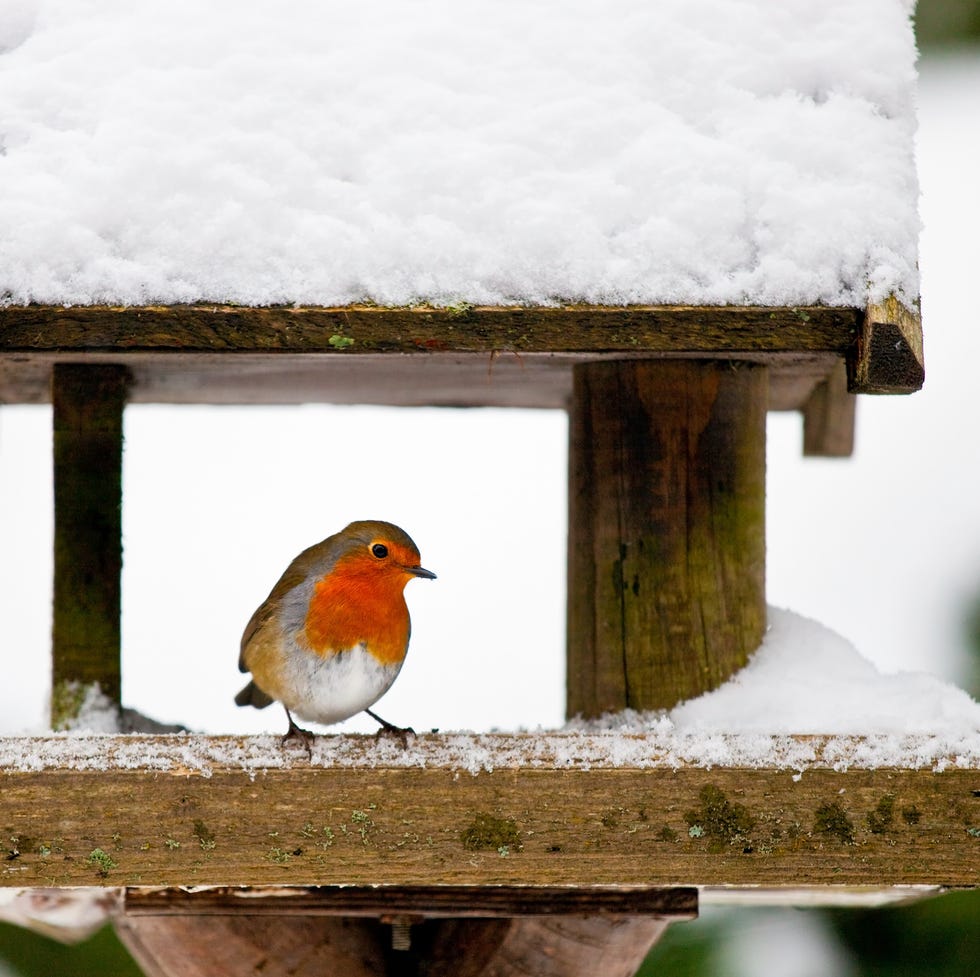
888,358
358,329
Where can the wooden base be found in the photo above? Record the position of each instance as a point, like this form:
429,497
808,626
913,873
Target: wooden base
310,946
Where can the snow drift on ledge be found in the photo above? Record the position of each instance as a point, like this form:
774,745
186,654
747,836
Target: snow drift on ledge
487,151
803,680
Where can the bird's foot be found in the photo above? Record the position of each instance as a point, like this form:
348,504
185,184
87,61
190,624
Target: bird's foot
401,733
294,733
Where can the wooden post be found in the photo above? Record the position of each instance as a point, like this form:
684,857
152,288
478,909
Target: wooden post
666,542
828,418
88,412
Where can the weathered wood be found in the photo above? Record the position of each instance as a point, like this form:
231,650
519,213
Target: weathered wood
528,822
507,357
428,901
666,545
828,418
455,930
427,379
887,358
548,947
243,946
88,414
354,330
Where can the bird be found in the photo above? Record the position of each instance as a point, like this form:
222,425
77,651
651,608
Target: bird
331,637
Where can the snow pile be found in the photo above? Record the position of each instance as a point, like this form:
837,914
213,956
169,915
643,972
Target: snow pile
87,709
807,679
488,151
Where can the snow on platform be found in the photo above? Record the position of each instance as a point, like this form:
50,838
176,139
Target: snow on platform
806,699
481,151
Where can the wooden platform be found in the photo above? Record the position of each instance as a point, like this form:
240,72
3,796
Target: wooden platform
534,811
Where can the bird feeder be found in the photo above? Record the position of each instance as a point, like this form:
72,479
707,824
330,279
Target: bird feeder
667,222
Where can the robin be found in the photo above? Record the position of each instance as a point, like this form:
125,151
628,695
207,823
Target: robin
331,637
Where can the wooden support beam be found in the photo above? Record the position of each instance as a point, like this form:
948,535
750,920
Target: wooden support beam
363,329
458,356
887,358
181,810
308,946
828,418
88,433
454,929
666,542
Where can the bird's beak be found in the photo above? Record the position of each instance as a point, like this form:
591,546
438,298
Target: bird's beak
421,572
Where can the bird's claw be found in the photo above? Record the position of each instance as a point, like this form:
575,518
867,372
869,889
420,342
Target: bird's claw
401,733
295,732
390,729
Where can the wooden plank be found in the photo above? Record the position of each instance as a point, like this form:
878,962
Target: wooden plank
530,821
355,330
510,357
437,379
828,418
666,546
428,901
88,413
888,355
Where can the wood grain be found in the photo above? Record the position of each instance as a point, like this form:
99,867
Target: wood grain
888,357
666,545
828,418
355,330
465,356
242,946
303,946
368,825
422,901
88,433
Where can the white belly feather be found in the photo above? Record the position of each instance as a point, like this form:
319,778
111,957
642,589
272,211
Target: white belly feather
329,690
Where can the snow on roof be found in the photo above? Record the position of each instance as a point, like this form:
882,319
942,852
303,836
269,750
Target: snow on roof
806,699
487,151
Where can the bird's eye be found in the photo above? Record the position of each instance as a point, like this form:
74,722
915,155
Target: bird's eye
379,550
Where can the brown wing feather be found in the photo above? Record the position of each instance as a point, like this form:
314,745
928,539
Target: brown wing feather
316,559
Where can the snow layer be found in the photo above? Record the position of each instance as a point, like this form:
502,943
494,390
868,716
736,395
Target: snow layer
489,151
803,680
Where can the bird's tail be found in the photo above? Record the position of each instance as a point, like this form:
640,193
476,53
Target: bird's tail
252,695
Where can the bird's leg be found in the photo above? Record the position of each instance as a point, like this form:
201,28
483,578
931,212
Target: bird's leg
390,729
298,733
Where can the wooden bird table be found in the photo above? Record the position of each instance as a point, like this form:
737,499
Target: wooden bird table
563,870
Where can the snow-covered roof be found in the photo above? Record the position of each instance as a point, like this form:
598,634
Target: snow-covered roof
486,151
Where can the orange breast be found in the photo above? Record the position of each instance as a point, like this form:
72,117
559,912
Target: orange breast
349,607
